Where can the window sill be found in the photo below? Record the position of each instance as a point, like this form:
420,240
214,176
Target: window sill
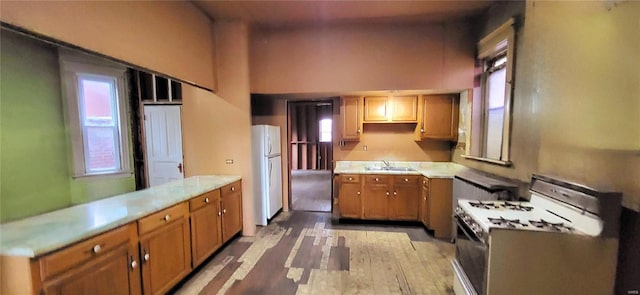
491,161
123,174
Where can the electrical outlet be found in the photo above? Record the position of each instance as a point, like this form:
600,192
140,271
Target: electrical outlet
364,147
229,161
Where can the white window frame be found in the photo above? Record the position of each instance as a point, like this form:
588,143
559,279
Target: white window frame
320,130
73,67
499,42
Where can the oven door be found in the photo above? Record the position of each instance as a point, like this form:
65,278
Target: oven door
471,257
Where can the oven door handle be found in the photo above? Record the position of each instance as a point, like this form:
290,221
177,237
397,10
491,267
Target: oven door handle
463,226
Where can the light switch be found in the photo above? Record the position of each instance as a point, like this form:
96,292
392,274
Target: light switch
364,147
229,161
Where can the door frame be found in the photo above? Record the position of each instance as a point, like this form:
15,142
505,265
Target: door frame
335,102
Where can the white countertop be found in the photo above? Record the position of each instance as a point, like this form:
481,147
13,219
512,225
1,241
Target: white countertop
428,169
40,234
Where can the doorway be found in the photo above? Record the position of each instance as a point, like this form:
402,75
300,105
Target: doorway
311,154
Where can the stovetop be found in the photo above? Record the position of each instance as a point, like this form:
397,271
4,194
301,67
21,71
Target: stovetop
516,216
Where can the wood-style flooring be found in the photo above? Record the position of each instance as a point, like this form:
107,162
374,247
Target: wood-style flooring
311,190
306,253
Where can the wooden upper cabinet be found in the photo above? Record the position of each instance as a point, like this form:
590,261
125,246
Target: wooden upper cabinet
440,117
351,114
405,108
376,109
389,109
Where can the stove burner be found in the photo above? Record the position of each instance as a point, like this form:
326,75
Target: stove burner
512,223
484,205
516,206
559,227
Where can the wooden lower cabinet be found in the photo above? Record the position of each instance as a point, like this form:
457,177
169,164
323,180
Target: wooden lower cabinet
404,201
114,273
350,200
231,203
206,226
166,250
376,201
424,196
439,207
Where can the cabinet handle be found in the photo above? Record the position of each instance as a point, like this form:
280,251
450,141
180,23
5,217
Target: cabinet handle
146,256
224,211
233,188
358,193
395,193
206,200
377,179
96,249
166,218
133,264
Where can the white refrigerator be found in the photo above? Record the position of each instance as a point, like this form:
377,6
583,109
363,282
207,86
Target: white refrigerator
267,172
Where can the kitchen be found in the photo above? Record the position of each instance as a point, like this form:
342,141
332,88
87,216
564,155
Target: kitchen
601,149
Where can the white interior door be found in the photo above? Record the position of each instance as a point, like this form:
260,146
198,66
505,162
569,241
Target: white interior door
163,137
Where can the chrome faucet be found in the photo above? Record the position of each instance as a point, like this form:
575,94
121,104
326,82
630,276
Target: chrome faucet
386,163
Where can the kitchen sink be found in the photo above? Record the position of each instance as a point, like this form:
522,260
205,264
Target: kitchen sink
388,168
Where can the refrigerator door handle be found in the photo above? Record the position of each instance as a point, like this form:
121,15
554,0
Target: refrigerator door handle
270,172
269,144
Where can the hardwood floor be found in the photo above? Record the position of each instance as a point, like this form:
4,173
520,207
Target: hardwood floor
305,253
311,190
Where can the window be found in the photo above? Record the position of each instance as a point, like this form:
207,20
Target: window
95,113
325,130
491,104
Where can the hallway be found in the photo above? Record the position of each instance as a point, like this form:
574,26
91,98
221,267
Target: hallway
311,190
304,253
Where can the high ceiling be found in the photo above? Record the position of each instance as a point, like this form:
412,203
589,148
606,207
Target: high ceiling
301,12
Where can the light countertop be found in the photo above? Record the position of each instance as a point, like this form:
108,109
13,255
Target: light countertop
40,234
428,169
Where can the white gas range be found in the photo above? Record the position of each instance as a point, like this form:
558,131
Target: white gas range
563,241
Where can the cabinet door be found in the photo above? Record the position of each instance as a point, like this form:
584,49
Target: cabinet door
440,207
375,109
166,256
424,202
206,231
404,202
405,108
231,214
440,117
114,273
375,202
351,113
350,200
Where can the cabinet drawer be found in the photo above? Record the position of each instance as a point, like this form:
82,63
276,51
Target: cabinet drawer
161,218
81,252
377,179
349,178
406,180
204,199
231,188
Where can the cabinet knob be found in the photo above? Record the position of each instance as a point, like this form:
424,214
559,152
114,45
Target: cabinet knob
233,188
425,198
358,130
134,264
387,194
219,213
424,182
406,180
224,211
96,249
377,179
395,193
350,178
206,200
358,193
421,130
166,218
146,256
